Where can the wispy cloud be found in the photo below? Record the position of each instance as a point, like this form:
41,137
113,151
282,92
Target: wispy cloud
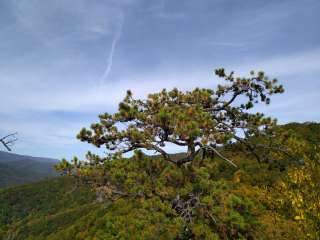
303,62
114,43
65,56
159,9
91,98
224,44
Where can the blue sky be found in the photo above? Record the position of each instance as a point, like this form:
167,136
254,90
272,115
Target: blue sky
64,62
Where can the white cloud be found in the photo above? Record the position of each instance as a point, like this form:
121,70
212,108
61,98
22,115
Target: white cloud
64,44
60,23
284,65
224,44
84,97
33,94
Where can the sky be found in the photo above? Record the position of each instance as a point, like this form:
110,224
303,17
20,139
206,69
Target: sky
64,62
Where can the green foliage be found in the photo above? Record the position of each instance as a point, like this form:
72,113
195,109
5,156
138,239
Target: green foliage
226,203
199,119
29,209
192,195
309,131
299,195
202,120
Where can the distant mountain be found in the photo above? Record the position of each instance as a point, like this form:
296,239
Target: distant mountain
19,169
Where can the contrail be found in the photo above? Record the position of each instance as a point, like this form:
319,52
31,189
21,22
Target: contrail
113,47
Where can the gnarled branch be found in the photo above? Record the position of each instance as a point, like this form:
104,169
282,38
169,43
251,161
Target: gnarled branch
8,140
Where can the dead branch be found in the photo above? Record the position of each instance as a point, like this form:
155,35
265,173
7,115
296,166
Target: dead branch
8,140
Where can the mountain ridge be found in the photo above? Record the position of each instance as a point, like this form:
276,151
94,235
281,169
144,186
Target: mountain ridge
18,169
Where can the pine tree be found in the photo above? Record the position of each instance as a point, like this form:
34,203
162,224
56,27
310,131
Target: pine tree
203,121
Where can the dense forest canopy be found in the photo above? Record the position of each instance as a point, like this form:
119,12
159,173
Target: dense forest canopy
283,204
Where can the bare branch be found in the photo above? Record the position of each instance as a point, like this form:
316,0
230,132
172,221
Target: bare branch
221,156
8,140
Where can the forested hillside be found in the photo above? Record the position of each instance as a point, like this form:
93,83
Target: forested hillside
19,169
248,201
36,210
